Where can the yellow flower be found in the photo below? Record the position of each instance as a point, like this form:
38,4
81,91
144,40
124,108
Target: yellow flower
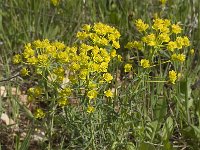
176,29
108,93
115,44
140,25
162,25
65,92
59,45
163,2
92,94
107,77
145,63
174,57
82,35
171,46
186,41
43,60
180,42
63,101
113,53
181,57
16,59
150,39
83,74
86,27
35,91
127,67
103,41
59,71
119,58
32,60
192,51
24,72
135,44
28,52
103,67
92,85
178,57
39,113
172,76
94,67
90,109
164,37
74,66
158,24
73,79
55,2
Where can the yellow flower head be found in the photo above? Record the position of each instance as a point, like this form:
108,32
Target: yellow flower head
180,42
164,37
108,93
65,92
32,60
127,67
192,51
135,44
119,58
86,27
63,101
35,91
163,2
90,109
150,39
43,60
172,76
113,53
39,113
145,63
176,29
92,85
140,25
186,41
28,52
162,25
107,77
103,67
55,2
16,59
178,57
115,44
83,74
181,57
171,46
92,94
24,72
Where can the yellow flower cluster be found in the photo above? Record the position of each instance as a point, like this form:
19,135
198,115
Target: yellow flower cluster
39,113
178,57
100,34
172,76
145,63
140,25
127,68
85,64
161,39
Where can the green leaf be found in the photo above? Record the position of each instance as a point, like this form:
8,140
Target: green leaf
167,129
146,146
130,146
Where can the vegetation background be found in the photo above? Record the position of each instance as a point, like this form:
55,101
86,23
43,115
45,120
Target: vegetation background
25,21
